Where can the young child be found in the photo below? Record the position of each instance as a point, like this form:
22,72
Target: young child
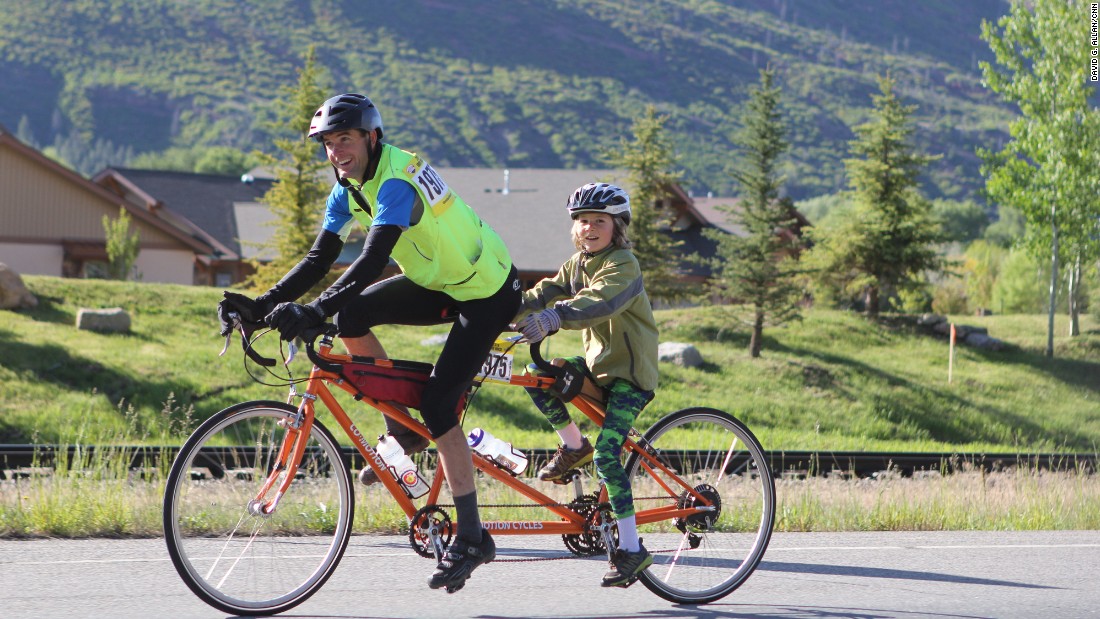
599,291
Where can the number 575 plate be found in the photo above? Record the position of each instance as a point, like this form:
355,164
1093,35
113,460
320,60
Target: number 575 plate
498,366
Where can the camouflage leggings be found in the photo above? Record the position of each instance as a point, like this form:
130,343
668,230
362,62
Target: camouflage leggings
624,402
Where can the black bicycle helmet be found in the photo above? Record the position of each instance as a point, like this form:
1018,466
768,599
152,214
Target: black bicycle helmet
599,198
343,112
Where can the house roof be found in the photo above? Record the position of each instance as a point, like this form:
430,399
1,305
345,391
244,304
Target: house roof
719,212
206,205
66,175
527,208
711,209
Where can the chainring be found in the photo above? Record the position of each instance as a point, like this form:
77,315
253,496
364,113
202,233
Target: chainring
590,542
429,519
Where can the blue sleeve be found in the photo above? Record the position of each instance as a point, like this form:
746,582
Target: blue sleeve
337,213
395,204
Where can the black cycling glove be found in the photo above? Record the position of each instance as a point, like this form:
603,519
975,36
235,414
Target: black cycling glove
291,319
250,310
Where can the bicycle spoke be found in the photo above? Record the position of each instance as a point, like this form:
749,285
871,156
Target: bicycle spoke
247,573
726,508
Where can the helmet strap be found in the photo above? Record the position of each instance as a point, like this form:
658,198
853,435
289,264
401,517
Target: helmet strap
374,156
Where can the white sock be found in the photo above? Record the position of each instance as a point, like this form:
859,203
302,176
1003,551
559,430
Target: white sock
628,534
571,436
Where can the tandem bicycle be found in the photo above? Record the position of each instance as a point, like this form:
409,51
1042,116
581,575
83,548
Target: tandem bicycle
259,503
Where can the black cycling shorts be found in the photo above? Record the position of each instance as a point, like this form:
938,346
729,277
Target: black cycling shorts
477,323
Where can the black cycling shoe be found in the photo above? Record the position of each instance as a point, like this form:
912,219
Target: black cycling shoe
460,560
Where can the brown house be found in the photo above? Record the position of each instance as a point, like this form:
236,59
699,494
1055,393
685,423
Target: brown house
51,223
211,206
716,211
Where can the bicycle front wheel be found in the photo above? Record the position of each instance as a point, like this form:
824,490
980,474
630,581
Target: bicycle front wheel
702,557
234,556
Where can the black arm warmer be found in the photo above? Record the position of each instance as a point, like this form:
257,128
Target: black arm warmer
306,274
362,273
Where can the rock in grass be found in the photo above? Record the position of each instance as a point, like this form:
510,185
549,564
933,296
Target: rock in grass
109,320
678,353
13,292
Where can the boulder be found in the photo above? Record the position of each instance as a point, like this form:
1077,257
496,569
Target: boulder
983,341
968,331
930,320
108,320
13,292
681,354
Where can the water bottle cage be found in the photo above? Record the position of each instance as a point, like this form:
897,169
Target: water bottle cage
568,382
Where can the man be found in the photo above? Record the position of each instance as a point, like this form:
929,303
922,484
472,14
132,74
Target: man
454,268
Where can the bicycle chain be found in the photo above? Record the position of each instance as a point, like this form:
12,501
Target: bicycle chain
640,498
564,557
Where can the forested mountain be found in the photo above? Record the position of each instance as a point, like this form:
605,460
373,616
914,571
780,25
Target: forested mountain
518,83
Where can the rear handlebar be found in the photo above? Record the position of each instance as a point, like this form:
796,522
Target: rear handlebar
568,380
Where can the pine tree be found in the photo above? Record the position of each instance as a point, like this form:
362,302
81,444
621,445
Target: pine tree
298,191
759,270
889,242
649,160
122,246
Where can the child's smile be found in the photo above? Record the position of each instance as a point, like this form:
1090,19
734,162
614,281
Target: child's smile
594,231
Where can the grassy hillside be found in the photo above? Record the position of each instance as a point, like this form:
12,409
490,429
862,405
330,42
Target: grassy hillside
834,381
524,83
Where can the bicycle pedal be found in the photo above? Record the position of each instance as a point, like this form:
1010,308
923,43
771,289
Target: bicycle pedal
567,477
455,587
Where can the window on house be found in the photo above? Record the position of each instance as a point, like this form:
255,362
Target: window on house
223,279
95,269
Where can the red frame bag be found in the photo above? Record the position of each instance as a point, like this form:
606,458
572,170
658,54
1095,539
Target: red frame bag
390,380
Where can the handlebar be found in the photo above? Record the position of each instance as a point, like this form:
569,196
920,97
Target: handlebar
326,331
246,329
540,363
568,380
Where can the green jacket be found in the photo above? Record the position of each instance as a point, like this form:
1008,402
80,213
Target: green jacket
603,295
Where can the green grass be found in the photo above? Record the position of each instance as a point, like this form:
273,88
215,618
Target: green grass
834,381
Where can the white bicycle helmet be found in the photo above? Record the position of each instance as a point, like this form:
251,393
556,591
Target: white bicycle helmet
599,198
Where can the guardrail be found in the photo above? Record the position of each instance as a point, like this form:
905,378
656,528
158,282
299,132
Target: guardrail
24,460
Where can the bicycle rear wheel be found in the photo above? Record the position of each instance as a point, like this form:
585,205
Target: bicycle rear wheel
235,559
703,557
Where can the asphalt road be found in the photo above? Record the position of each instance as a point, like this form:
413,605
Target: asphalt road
943,575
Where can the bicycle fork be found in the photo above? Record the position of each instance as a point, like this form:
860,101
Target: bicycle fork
296,429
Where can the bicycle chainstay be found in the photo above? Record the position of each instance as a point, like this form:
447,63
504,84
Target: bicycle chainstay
586,506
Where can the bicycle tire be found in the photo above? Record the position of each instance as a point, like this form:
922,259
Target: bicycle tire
703,558
248,564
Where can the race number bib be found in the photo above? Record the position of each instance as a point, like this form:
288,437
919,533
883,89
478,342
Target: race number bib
498,366
435,190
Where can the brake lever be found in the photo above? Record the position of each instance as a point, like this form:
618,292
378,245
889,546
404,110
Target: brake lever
239,325
292,351
236,318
